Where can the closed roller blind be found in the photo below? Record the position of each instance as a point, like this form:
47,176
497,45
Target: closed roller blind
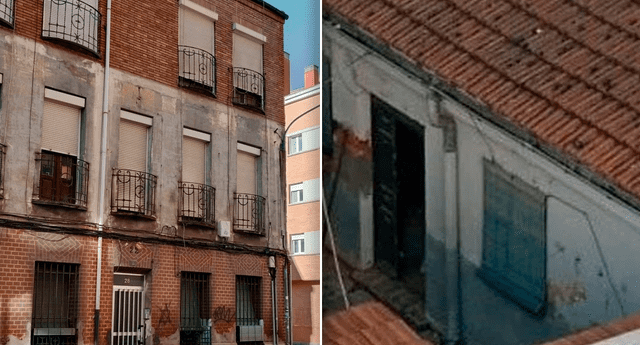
246,174
193,158
311,190
197,30
132,151
60,127
247,53
311,139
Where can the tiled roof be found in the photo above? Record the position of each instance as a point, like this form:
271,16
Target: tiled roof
567,72
370,323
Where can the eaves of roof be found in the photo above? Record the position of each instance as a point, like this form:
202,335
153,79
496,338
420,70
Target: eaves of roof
562,75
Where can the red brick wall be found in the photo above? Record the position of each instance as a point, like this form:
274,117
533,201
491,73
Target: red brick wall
145,44
28,23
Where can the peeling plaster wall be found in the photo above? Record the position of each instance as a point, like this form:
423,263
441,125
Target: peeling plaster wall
592,240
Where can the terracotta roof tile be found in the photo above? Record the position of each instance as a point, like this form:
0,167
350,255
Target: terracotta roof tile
553,67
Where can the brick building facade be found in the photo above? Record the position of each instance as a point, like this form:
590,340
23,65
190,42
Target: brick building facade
150,210
303,210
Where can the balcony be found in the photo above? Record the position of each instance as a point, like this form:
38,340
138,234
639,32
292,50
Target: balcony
6,12
197,204
197,69
248,213
63,180
133,193
72,21
248,88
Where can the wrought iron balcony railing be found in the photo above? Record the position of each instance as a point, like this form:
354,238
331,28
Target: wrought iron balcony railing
197,204
73,21
248,88
248,213
133,193
197,69
63,180
6,12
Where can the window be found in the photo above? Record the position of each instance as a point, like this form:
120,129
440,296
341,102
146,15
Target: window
248,75
295,144
195,309
133,186
197,63
248,302
306,243
249,205
55,303
197,202
63,177
513,256
6,12
297,244
305,191
296,193
73,21
305,140
327,116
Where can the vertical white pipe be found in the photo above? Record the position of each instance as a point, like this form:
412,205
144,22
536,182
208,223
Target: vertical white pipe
103,168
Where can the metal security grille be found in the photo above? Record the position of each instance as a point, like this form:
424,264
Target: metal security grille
128,307
195,310
248,301
248,213
6,12
55,304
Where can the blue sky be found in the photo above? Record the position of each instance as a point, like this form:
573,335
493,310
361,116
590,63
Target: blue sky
301,35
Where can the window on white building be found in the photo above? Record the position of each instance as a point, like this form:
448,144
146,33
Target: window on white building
296,193
297,244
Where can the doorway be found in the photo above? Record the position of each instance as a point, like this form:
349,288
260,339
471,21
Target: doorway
399,194
128,309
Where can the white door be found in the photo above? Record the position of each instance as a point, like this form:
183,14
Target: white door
128,309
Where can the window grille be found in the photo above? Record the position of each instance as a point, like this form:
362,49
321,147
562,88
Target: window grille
248,88
195,309
6,12
133,193
63,180
55,304
248,301
197,204
197,69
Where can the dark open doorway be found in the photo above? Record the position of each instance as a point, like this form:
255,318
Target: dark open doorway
399,194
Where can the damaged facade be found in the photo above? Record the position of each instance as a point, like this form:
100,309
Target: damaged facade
485,155
141,198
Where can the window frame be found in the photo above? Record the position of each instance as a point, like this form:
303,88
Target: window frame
297,139
195,323
296,189
297,242
504,232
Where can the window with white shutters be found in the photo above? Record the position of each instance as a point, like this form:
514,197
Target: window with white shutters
63,177
197,198
197,63
305,140
133,186
514,241
73,21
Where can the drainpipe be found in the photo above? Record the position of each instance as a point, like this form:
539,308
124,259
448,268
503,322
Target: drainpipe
287,302
274,310
452,232
103,168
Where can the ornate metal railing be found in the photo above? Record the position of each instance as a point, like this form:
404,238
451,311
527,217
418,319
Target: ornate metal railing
133,193
197,69
197,204
248,88
63,180
248,213
73,21
6,12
